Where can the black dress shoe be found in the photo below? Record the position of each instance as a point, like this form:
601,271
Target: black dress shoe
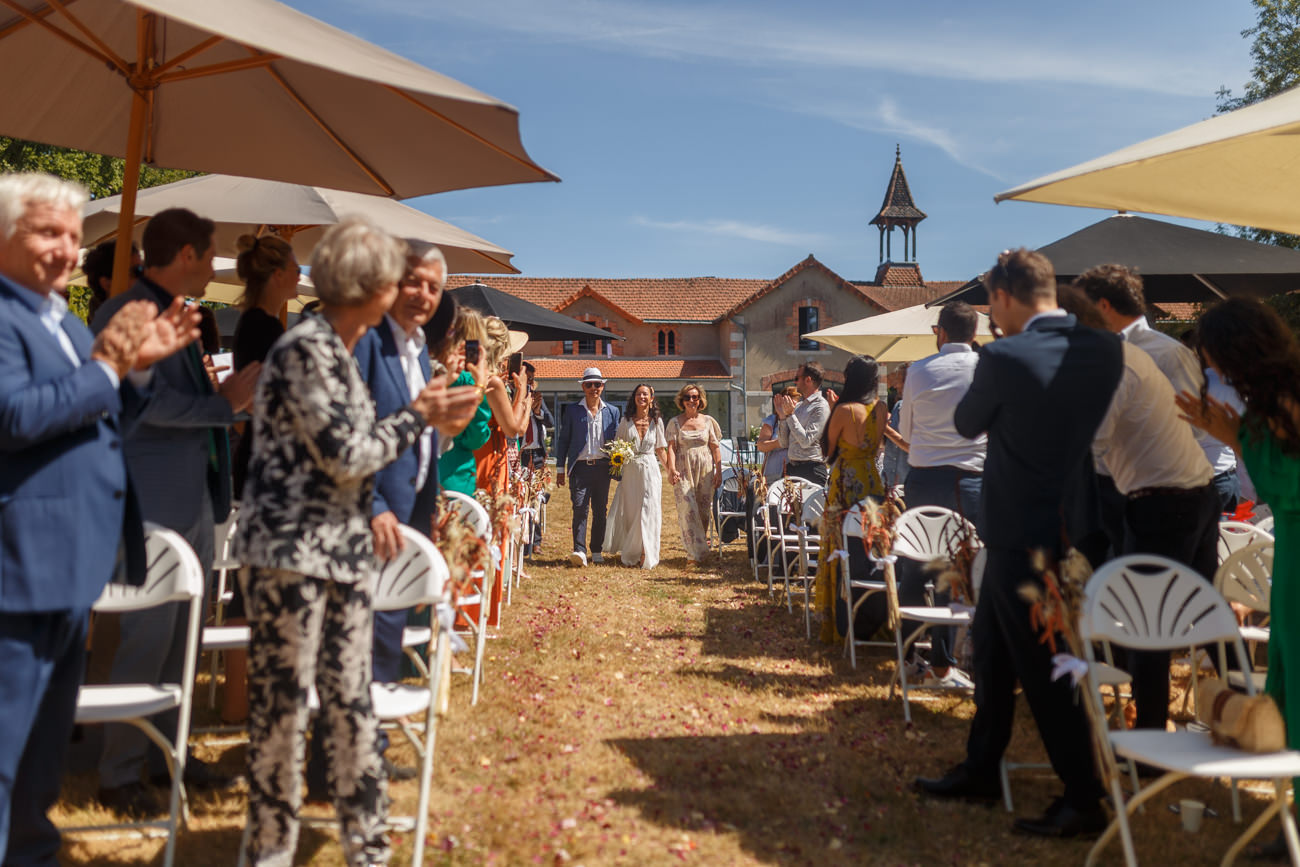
1063,821
398,773
133,799
198,775
960,783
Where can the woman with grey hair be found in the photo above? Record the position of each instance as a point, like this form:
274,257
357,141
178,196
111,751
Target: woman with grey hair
304,535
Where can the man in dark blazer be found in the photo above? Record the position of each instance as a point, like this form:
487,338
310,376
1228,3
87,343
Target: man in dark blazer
1039,394
64,493
585,428
179,459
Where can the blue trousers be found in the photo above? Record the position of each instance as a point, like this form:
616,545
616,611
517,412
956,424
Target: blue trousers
589,487
42,656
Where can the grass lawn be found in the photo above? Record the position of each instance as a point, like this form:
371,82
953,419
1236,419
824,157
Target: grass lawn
677,715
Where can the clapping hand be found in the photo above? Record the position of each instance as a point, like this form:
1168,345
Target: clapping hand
1212,416
446,406
169,332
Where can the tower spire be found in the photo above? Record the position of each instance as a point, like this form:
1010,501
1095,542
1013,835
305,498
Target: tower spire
897,210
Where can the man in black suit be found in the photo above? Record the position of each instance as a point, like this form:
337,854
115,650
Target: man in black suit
1040,394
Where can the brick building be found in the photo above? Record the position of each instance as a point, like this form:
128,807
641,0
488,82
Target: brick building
737,339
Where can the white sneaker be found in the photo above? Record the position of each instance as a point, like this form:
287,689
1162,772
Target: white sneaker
577,558
954,679
917,670
597,558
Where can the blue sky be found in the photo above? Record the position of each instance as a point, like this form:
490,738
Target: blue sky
732,139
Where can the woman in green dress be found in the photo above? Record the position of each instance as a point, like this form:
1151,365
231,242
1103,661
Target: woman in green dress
1251,349
456,467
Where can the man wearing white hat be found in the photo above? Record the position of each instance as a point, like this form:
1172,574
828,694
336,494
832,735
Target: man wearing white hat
585,427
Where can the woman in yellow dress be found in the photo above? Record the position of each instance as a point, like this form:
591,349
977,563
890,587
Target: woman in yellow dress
852,440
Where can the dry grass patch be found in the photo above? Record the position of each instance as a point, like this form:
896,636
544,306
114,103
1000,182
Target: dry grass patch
634,717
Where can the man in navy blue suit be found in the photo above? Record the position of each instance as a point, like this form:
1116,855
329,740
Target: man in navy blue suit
585,428
63,488
1040,395
394,362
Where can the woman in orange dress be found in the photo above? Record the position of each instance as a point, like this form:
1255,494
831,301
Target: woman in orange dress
499,455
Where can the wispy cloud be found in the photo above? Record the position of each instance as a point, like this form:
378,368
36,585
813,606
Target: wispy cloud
915,45
735,229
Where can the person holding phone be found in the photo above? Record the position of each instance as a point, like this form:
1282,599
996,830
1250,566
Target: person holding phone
457,468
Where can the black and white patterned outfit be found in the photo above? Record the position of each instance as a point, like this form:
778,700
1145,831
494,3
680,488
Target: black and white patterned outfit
304,535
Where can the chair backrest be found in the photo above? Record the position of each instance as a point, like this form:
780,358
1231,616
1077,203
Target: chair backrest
927,532
1235,535
173,575
224,534
776,490
1246,576
416,576
472,511
1266,524
1152,603
813,506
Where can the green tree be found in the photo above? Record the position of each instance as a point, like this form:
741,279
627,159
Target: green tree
100,174
1275,48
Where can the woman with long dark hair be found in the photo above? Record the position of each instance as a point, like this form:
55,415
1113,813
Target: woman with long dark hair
635,517
852,441
1252,350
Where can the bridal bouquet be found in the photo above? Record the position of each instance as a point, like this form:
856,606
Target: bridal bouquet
620,453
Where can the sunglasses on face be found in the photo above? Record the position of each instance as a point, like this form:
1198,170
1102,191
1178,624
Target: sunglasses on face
593,385
691,398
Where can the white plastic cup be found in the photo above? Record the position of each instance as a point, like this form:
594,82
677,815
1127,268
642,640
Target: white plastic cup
1192,813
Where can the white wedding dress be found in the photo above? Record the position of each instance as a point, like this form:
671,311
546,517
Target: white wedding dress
635,517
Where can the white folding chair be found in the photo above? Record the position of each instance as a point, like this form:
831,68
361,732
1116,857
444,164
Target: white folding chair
803,544
923,534
771,531
1246,578
1235,535
853,527
416,576
173,575
226,568
727,494
1152,603
1265,524
476,627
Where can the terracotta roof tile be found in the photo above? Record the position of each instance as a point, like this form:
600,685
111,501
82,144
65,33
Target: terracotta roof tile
630,368
898,297
810,262
675,299
1174,312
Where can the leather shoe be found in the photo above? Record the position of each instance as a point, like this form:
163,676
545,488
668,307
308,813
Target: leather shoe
398,773
960,783
133,799
1063,821
198,775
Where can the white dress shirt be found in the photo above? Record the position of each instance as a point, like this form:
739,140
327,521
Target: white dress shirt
801,431
934,387
1180,366
1142,442
595,433
51,309
1225,459
409,349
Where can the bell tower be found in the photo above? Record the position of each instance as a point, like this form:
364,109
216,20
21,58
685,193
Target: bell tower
898,211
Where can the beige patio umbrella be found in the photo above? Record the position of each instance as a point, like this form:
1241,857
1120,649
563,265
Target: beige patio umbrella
1241,168
296,212
246,87
901,335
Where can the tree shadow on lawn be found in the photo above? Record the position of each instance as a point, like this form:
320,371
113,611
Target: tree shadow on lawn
817,798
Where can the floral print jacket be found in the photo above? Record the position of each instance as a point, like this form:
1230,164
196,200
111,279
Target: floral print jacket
316,448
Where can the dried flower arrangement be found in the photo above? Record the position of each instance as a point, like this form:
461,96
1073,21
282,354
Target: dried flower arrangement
1055,605
465,551
953,573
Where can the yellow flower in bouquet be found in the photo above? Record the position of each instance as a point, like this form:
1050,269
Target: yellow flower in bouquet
620,453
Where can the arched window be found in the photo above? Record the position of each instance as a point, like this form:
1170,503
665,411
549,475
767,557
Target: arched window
667,341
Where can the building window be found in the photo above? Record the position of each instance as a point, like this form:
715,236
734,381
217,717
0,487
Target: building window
587,346
567,348
807,323
667,341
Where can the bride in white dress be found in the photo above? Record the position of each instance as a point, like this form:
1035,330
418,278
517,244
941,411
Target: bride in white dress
635,515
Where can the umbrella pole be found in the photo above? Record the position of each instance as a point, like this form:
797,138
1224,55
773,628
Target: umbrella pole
134,154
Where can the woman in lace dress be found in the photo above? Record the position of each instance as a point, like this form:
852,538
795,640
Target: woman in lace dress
694,468
635,521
